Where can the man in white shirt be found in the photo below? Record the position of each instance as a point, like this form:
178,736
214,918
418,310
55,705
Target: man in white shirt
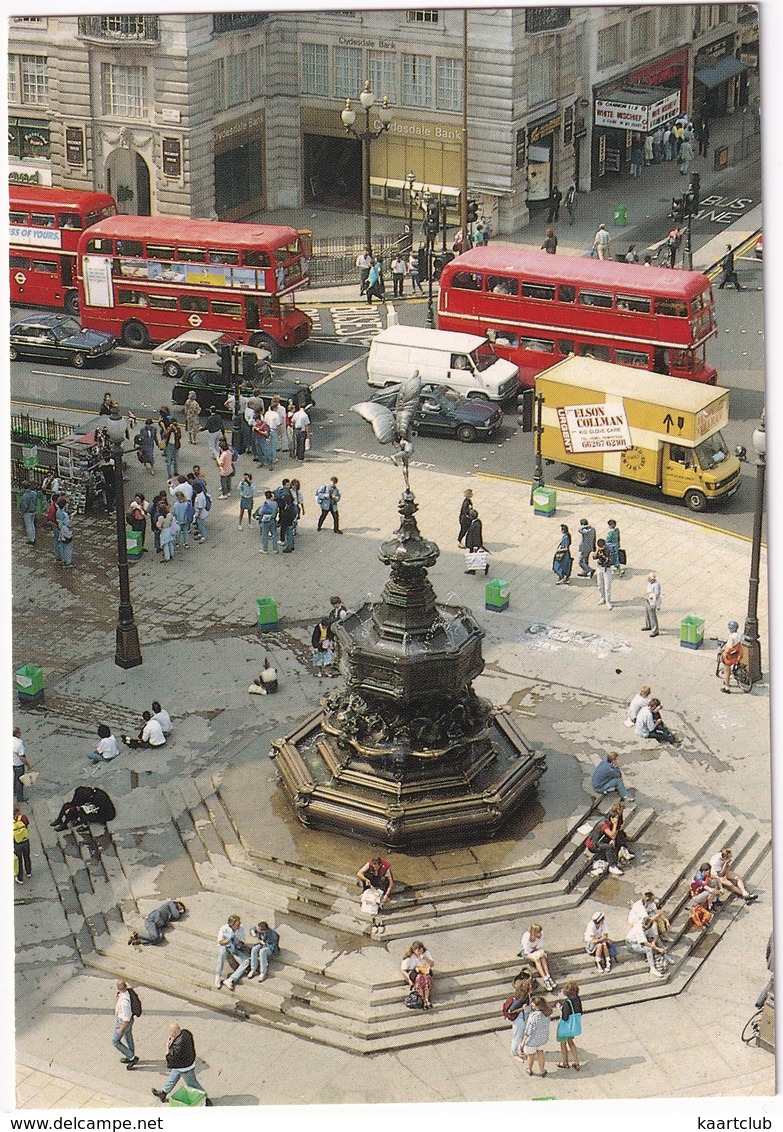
122,1038
364,263
200,515
652,603
20,764
647,907
230,941
163,718
639,701
107,748
602,242
642,939
301,423
180,483
272,421
731,654
721,867
151,734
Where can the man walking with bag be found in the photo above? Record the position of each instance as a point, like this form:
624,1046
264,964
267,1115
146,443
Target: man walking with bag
328,499
181,1060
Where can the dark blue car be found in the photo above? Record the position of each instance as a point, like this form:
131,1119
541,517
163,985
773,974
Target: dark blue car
443,412
59,338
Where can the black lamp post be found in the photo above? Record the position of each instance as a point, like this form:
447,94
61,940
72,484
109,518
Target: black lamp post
128,652
411,178
751,631
366,136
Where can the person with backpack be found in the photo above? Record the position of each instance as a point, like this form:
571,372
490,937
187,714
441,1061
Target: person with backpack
516,1010
124,1017
286,509
265,516
328,499
417,966
323,647
181,1060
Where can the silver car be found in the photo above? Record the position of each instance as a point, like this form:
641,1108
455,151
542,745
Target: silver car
202,346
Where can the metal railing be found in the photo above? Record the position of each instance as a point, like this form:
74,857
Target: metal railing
136,29
34,430
334,257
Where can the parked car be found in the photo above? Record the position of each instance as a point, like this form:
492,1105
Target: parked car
202,347
442,412
212,391
59,338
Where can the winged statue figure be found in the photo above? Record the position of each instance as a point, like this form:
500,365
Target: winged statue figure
395,425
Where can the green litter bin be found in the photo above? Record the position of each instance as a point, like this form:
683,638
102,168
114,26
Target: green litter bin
496,595
134,544
30,685
185,1097
621,215
692,632
544,501
267,613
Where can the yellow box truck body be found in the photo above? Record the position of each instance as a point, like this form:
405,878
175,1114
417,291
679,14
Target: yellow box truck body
647,428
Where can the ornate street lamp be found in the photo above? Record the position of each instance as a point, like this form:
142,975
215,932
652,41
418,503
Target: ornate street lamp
366,136
751,632
128,652
411,182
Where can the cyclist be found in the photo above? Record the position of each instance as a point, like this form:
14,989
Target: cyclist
731,654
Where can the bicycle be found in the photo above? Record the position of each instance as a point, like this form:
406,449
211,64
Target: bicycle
739,671
750,1032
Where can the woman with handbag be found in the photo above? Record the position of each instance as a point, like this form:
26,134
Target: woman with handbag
569,1026
563,561
417,966
476,557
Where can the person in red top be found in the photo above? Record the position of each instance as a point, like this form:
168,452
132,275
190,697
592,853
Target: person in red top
377,874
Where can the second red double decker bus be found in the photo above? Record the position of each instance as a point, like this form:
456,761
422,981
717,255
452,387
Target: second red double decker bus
45,226
146,279
538,308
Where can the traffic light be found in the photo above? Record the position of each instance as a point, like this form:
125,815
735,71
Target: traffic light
525,410
249,366
693,193
226,355
473,212
432,221
678,209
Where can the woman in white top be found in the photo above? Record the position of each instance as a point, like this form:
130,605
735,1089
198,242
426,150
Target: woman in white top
640,700
532,948
598,943
417,966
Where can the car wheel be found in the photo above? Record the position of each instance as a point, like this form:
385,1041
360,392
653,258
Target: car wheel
265,342
78,360
135,335
72,303
14,354
172,369
696,500
582,478
466,433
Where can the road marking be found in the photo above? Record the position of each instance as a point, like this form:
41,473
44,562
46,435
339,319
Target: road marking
301,369
335,373
65,408
78,377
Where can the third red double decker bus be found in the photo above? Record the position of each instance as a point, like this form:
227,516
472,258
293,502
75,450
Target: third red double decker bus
45,226
146,279
538,308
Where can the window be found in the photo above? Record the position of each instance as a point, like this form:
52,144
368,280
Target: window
42,220
636,303
122,90
34,80
637,358
192,255
670,22
12,83
595,299
566,293
314,68
467,281
47,266
382,72
236,79
193,303
131,298
19,261
502,337
642,28
448,84
348,72
237,21
565,346
541,345
221,307
417,80
539,79
538,291
124,27
100,246
600,353
256,259
160,251
70,220
423,16
611,45
163,302
219,84
502,285
255,67
130,247
674,308
223,256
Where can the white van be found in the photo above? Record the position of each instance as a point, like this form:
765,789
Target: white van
464,362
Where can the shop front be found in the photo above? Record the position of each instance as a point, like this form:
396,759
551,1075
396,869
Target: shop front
622,120
542,136
29,154
239,167
720,79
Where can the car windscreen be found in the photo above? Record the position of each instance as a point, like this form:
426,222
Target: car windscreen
484,357
68,328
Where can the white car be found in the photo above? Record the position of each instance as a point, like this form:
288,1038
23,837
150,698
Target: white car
202,346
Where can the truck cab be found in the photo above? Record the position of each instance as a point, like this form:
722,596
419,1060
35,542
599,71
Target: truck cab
699,474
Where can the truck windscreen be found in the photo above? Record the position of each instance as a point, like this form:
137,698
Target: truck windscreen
711,452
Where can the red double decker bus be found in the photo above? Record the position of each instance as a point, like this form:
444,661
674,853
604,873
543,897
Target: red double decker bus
45,226
538,308
146,279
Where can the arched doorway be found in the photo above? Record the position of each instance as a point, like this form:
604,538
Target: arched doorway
128,180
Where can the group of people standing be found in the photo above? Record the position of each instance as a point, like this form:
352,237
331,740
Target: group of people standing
599,558
372,284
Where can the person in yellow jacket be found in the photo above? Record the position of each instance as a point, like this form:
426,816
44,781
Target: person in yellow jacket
21,846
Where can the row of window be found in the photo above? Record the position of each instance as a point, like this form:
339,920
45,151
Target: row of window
508,287
251,257
613,40
25,263
636,357
58,220
236,79
192,304
407,81
123,89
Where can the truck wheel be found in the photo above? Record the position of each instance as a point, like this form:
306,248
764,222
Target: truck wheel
696,500
135,335
582,477
72,303
466,433
265,342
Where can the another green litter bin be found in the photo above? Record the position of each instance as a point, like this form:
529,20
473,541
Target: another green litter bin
134,544
267,613
621,215
496,595
692,632
185,1097
544,501
30,685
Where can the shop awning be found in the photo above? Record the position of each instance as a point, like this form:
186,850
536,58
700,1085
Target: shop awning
723,70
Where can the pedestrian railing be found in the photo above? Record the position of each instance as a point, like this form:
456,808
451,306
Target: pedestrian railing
35,430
